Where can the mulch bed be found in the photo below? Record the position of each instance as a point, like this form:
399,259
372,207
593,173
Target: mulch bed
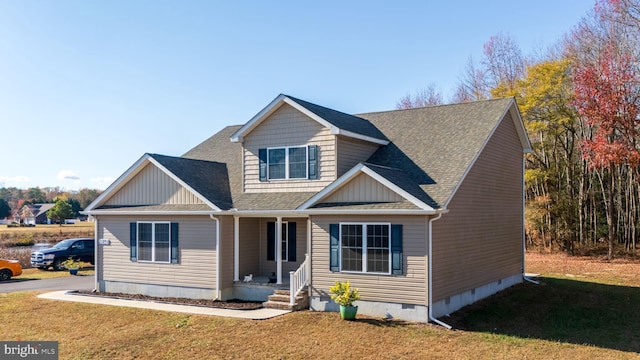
233,304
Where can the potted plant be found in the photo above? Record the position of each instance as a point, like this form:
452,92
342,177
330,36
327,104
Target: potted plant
344,295
72,265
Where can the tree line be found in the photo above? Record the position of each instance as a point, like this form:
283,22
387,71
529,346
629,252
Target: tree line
13,200
580,102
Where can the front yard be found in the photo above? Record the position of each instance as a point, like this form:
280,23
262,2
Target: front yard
583,309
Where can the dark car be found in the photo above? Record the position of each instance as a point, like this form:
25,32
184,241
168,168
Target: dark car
81,249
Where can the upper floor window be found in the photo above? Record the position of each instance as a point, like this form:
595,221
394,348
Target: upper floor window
288,162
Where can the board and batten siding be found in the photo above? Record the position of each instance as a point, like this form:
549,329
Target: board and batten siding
409,288
288,127
363,188
351,152
480,240
151,186
197,260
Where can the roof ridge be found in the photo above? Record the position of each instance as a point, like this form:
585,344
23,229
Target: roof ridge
154,155
436,106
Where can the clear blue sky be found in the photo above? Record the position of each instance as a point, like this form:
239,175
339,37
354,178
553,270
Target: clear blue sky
87,87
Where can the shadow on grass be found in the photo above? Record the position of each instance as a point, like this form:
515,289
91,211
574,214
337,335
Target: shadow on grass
559,310
381,322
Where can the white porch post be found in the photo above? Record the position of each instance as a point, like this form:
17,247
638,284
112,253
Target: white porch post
279,250
236,248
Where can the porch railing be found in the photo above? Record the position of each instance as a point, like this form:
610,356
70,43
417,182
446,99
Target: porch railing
299,279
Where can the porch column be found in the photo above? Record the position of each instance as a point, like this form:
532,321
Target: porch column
236,248
279,250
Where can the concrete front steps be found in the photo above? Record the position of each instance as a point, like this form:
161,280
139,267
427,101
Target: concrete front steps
280,300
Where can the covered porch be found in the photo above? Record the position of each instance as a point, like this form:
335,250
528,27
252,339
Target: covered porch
270,256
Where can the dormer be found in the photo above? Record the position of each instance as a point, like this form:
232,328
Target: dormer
293,145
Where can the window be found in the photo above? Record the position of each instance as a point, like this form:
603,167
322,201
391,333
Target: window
292,162
366,247
287,163
154,241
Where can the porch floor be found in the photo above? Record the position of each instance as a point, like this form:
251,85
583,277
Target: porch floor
264,281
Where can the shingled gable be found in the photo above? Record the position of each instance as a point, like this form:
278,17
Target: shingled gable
207,180
337,122
393,179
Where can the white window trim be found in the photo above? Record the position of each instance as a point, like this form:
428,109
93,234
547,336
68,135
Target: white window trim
153,242
364,247
286,162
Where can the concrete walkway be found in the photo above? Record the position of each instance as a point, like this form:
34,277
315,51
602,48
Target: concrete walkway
259,314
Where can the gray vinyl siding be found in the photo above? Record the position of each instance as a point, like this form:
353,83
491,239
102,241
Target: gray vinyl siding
480,240
197,260
151,186
269,266
409,288
288,127
250,255
351,152
363,189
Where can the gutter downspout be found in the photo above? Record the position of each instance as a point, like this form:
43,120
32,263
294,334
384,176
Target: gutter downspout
524,235
217,255
95,254
430,278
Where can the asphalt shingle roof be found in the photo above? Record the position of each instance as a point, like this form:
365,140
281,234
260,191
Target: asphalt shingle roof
209,178
435,145
341,120
431,148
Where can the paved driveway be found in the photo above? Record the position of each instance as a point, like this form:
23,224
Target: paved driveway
63,283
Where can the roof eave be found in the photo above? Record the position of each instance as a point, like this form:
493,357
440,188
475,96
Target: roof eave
150,212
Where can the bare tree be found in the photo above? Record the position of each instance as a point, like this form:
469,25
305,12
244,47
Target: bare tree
503,62
428,96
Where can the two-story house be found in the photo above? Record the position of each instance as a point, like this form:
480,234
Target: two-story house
421,209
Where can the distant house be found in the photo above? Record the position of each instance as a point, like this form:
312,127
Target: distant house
421,209
35,214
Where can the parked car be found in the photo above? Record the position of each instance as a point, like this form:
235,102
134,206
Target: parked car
81,249
9,268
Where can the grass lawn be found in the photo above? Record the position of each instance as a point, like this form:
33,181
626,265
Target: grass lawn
37,274
80,225
582,310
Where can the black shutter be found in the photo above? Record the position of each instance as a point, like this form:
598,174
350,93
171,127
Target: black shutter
174,243
313,162
291,231
133,232
334,246
271,240
262,155
396,249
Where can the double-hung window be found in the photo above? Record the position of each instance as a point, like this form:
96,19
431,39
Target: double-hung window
372,248
366,247
287,163
154,241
